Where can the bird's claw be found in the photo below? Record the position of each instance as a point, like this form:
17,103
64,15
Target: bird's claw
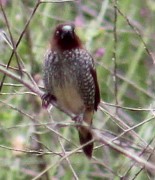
78,119
47,98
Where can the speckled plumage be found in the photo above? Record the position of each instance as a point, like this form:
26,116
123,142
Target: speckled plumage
70,79
70,67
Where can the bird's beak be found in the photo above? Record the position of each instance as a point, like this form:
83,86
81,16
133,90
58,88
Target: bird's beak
67,31
67,34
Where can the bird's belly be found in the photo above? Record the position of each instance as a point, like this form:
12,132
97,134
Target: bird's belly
69,98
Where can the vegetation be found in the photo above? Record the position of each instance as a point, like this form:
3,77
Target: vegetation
43,144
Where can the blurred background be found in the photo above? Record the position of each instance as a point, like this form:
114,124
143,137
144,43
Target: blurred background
121,37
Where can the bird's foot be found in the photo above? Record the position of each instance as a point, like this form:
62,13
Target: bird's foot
78,119
47,98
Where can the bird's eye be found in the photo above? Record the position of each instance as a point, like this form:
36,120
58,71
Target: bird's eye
57,33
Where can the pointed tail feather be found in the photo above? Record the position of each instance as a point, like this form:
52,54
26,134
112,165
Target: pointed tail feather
85,136
84,133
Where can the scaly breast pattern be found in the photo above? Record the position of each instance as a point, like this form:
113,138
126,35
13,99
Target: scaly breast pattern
68,79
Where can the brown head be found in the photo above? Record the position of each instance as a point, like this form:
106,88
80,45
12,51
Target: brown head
65,38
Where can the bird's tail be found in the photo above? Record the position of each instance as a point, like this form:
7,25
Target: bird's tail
85,135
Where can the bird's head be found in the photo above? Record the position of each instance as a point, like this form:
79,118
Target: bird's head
65,38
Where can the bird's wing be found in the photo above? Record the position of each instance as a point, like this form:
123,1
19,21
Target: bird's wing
97,91
49,58
89,79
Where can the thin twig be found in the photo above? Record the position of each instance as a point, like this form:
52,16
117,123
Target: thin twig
98,137
68,161
58,1
99,162
29,151
19,40
115,54
151,154
134,127
11,40
120,123
60,160
138,33
28,85
143,151
131,155
127,108
132,83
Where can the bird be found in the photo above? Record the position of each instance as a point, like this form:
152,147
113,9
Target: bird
70,80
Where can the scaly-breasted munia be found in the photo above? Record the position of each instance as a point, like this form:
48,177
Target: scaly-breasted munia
70,79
